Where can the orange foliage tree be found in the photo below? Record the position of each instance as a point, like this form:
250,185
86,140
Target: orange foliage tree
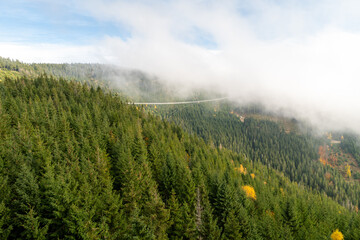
323,155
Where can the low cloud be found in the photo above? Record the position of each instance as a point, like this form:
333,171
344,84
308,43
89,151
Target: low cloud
309,74
297,57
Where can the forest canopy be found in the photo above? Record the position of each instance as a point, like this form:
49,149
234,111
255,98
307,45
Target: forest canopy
77,162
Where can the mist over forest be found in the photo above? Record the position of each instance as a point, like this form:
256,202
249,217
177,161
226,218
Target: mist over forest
234,119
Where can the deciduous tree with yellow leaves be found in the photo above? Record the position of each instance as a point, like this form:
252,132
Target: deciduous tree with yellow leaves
337,235
241,169
250,192
348,170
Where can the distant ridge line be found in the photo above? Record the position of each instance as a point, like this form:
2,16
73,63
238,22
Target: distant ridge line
175,103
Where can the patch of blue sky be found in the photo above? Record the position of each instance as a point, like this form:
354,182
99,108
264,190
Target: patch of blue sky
199,37
35,22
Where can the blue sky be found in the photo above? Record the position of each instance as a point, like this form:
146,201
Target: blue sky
301,55
76,22
25,21
71,22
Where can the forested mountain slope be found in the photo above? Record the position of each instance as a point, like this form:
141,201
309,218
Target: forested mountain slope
134,84
294,154
78,163
351,144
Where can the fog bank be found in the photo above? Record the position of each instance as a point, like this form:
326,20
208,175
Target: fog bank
275,54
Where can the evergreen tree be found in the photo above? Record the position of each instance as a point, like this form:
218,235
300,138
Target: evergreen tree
231,227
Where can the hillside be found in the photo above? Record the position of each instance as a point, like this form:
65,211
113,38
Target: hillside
134,84
78,163
222,124
267,140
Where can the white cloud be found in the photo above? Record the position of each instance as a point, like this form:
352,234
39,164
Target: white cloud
296,55
49,53
309,68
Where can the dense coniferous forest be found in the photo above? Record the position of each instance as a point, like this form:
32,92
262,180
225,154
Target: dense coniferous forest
89,73
79,163
292,153
351,144
132,83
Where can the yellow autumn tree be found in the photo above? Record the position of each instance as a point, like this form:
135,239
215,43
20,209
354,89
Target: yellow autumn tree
252,175
348,170
337,235
249,191
241,169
